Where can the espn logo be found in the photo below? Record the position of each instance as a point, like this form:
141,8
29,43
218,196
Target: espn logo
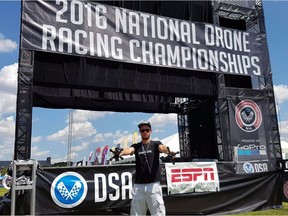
192,174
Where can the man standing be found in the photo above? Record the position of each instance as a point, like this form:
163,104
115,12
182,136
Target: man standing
147,191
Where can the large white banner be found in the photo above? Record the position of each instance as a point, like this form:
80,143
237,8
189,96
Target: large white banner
192,177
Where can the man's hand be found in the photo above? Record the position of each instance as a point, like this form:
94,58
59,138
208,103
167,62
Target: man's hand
171,156
172,153
116,153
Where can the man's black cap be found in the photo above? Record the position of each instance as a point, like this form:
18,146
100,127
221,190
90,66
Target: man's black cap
147,123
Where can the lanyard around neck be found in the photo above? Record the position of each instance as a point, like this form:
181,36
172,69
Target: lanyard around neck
145,154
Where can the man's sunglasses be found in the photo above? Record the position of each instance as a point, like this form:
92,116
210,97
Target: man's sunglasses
144,130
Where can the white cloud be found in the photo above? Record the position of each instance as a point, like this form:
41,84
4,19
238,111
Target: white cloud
7,45
42,153
7,140
158,131
85,115
8,89
162,120
73,155
38,154
118,135
99,138
82,146
36,139
281,93
80,131
7,127
8,78
7,149
283,127
59,135
7,104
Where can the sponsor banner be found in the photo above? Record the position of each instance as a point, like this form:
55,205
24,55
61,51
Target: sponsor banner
104,197
248,115
91,29
255,167
192,177
247,129
78,188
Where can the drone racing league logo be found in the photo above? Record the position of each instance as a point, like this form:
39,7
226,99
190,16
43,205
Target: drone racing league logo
68,190
248,115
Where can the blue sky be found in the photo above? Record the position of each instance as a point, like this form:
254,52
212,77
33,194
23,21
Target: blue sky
96,129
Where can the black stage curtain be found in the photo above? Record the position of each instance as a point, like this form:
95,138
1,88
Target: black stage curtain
62,81
202,130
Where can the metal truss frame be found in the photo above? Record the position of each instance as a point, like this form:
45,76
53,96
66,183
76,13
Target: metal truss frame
23,127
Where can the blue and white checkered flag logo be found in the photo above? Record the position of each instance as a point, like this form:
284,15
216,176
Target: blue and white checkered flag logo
69,194
68,189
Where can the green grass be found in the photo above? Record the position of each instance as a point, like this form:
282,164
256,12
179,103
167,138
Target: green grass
281,211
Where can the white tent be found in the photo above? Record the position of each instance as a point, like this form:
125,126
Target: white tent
172,142
284,148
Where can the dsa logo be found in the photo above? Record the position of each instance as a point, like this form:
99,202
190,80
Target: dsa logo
248,116
68,190
192,175
255,167
248,167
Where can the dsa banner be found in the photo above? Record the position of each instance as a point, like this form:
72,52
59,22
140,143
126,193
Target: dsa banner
192,177
79,189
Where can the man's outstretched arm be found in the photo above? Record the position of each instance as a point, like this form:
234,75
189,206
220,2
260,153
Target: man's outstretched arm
127,151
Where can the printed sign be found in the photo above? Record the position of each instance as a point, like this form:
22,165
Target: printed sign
248,129
192,177
90,29
248,116
251,167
